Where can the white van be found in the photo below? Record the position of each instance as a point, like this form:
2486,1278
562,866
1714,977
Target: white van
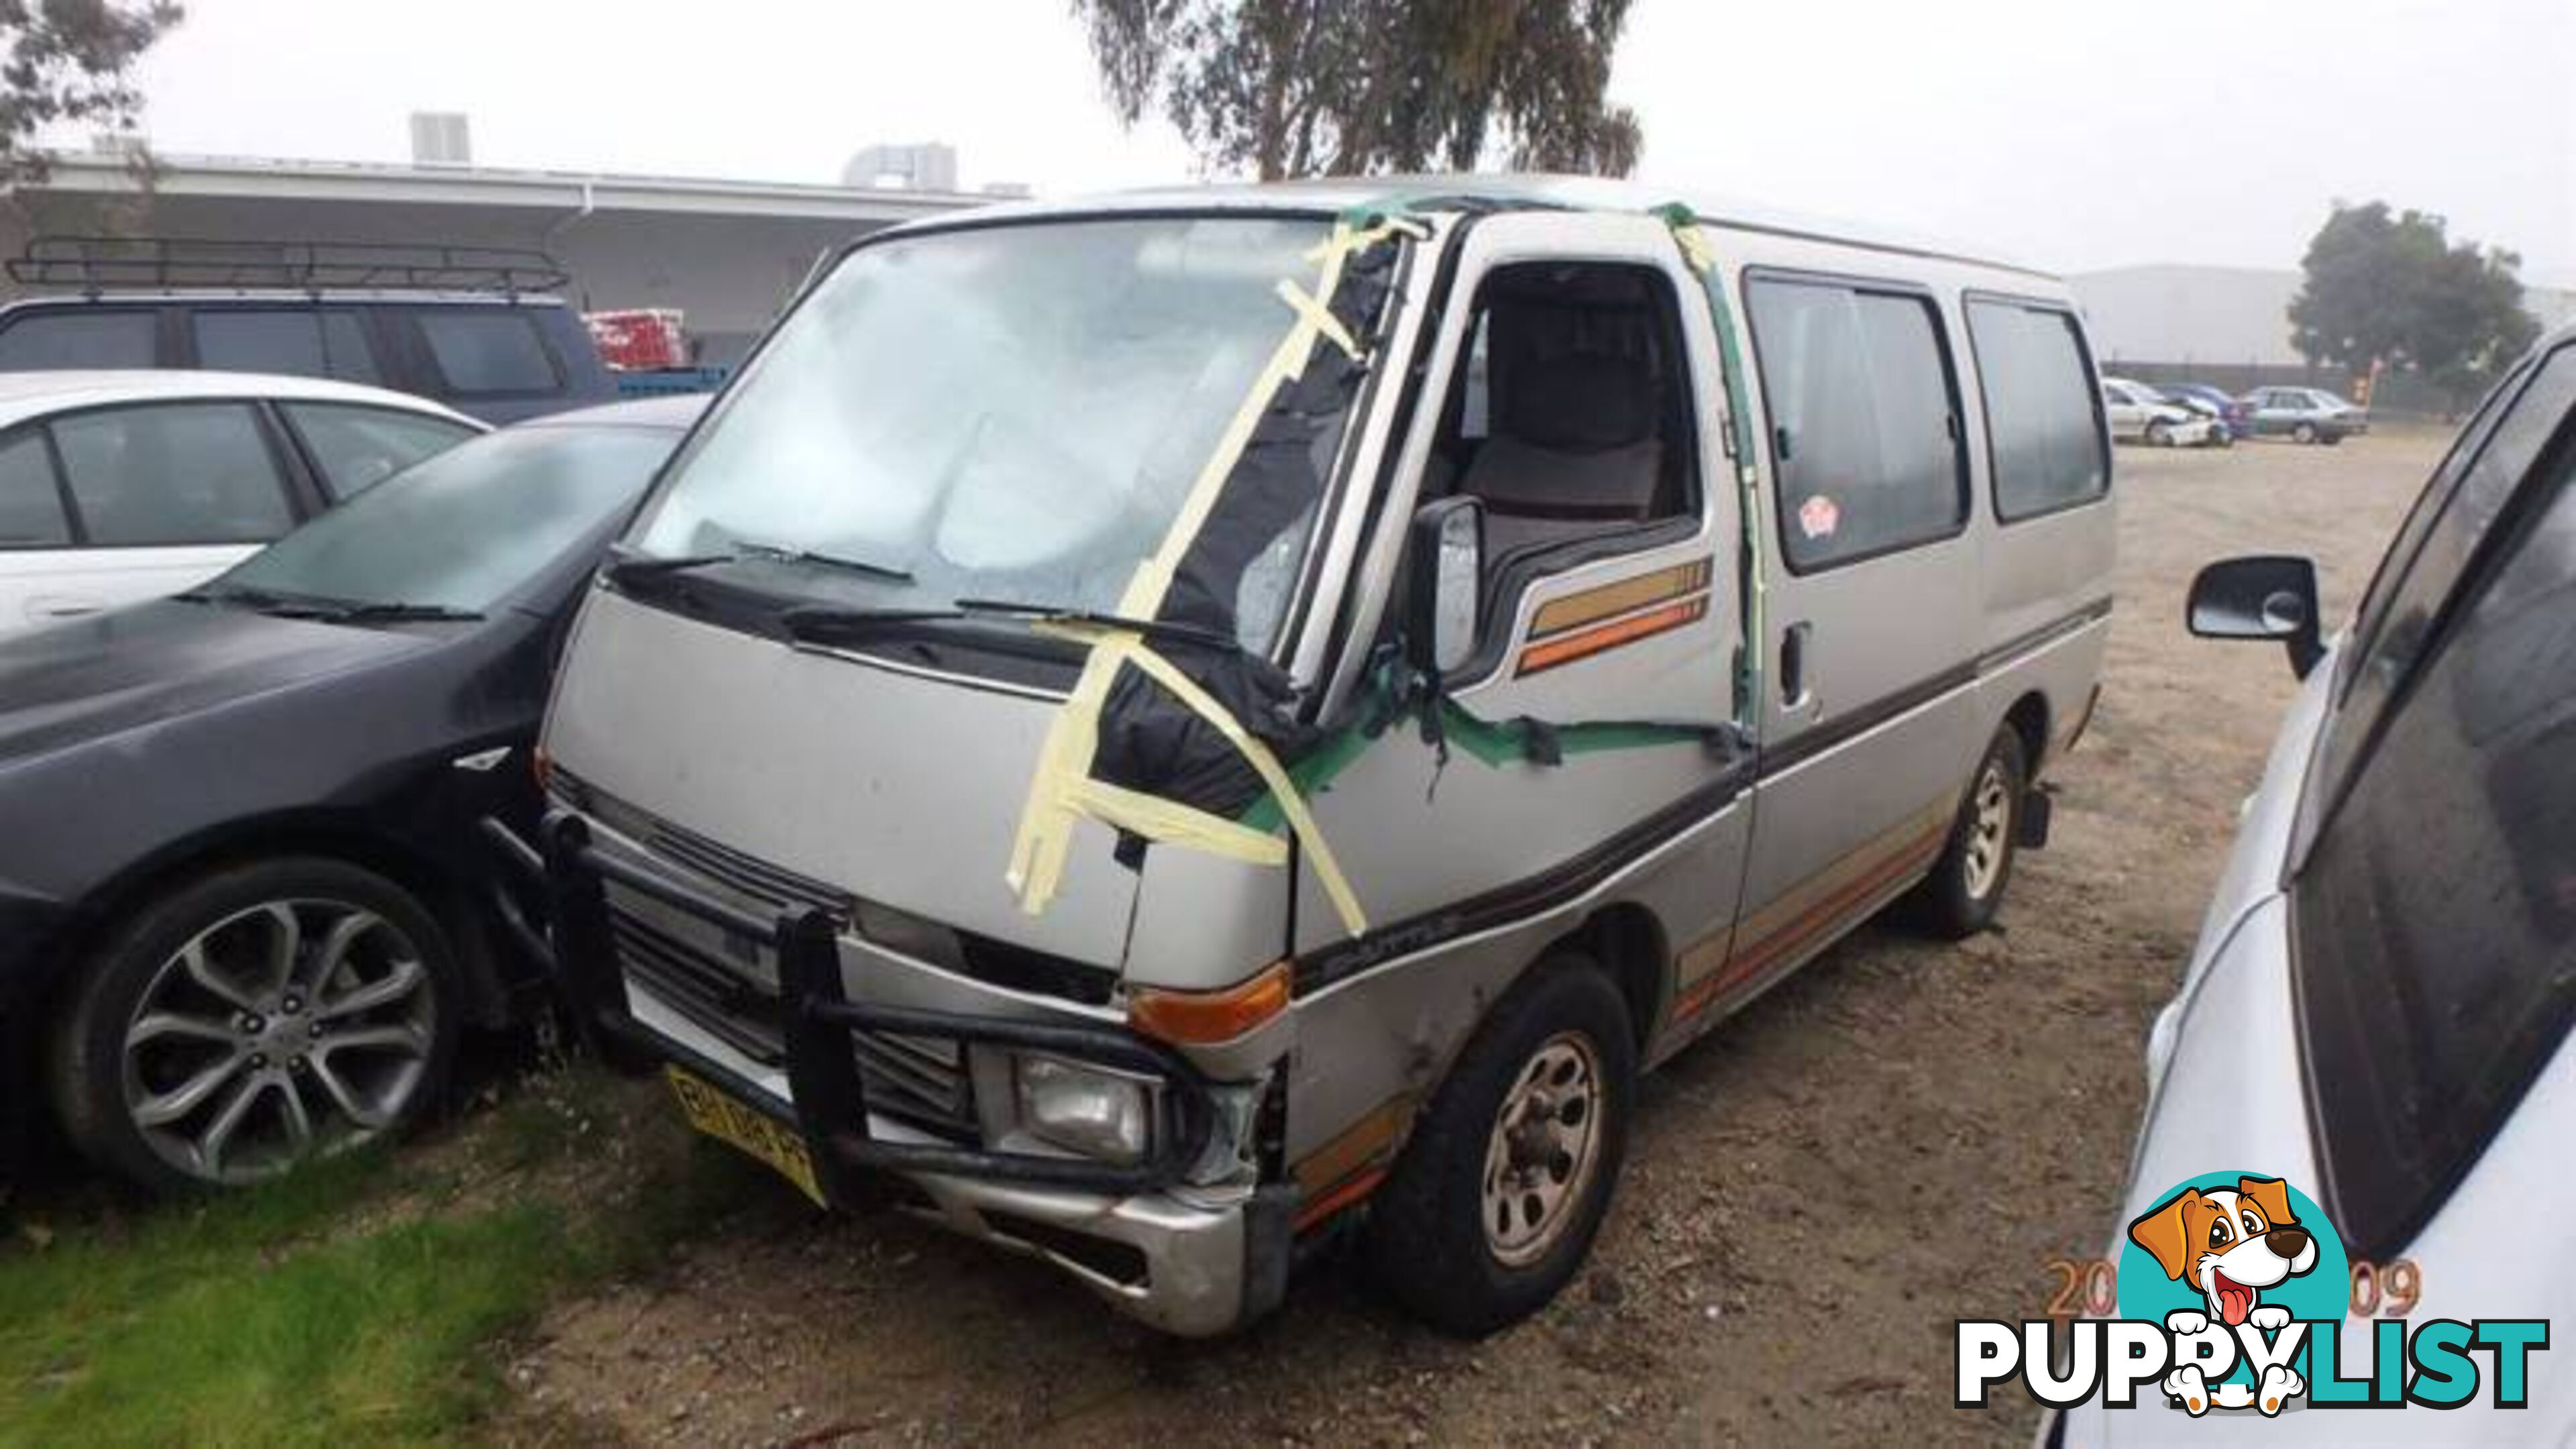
117,487
1171,728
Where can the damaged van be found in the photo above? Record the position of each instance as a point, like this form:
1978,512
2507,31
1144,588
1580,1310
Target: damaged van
1166,732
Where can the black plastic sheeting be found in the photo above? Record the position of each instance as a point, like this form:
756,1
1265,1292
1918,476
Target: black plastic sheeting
1151,742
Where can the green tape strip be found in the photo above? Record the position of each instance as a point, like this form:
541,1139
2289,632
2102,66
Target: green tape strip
1491,744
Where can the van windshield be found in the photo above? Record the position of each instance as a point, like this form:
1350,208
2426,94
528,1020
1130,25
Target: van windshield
1011,413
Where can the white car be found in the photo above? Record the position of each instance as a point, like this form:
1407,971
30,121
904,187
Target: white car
2140,414
122,486
2378,1011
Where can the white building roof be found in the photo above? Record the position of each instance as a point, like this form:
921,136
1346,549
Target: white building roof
249,177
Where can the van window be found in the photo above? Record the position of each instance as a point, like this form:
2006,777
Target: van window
1864,434
358,447
31,507
182,473
296,343
2043,434
487,350
46,341
1571,410
2436,941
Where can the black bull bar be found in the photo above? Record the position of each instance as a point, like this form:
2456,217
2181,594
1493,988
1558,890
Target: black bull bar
830,1111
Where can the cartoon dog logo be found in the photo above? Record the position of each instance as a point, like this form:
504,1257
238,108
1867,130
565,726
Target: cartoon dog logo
2230,1245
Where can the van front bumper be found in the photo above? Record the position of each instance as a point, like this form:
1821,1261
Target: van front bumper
1187,1259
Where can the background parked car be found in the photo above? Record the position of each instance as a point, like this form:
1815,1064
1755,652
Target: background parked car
261,909
119,486
2380,1004
476,328
2233,416
2139,414
2304,415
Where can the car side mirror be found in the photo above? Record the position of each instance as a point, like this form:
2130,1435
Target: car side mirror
1448,549
2262,596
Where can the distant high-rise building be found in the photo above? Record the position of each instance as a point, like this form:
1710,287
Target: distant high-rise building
929,166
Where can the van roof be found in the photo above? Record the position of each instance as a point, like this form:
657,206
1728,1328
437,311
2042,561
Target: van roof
1466,190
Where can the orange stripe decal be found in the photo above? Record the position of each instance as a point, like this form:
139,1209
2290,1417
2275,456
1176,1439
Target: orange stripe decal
1572,611
1351,1191
1627,629
1749,958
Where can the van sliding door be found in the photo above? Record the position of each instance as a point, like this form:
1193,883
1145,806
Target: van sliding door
1867,713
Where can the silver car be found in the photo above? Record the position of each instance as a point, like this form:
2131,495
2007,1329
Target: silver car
1178,728
2379,1008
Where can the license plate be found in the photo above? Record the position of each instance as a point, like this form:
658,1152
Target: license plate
714,1112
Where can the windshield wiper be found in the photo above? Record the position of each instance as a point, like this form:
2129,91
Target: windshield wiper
262,601
396,613
823,623
628,568
1164,629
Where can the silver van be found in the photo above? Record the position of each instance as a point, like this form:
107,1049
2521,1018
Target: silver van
1163,731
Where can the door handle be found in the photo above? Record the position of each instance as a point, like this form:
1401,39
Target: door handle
59,606
1797,687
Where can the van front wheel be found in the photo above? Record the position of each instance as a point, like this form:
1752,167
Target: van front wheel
1966,887
1503,1187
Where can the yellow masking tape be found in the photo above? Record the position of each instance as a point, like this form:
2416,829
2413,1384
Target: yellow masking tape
1156,818
1062,790
1292,805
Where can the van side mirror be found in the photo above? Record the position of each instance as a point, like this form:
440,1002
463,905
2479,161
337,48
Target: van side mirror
2262,596
1448,551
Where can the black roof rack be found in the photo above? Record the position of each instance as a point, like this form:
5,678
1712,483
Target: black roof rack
96,264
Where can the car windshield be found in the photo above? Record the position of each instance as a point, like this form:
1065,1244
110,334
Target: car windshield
463,529
1012,413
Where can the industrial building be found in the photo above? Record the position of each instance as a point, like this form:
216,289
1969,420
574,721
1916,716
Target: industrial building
2229,326
727,253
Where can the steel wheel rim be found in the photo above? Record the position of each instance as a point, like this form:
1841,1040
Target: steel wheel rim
1544,1150
1989,832
285,1030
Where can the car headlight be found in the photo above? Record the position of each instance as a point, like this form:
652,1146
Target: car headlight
1089,1110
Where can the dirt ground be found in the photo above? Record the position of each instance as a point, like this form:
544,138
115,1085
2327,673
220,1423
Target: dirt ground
1903,1135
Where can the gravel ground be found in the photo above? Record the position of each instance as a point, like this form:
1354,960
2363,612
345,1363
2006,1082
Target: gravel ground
1901,1136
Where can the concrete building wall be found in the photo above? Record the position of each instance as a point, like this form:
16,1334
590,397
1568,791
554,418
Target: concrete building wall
2218,316
728,256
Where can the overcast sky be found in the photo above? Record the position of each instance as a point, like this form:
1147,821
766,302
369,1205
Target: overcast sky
2075,134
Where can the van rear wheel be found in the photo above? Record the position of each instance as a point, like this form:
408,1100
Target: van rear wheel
1966,887
1499,1194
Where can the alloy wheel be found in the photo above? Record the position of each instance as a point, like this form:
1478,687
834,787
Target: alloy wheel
284,1030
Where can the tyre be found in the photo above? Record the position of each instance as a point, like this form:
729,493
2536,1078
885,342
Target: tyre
1503,1186
1966,887
251,1017
2304,433
2159,434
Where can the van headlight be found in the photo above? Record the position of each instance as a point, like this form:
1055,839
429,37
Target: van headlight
1098,1113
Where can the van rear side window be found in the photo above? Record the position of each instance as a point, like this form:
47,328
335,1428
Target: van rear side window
48,341
296,343
487,352
2043,432
1864,433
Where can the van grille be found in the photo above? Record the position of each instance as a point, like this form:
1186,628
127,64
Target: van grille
746,876
919,1080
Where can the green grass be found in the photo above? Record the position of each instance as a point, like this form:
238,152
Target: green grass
358,1301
